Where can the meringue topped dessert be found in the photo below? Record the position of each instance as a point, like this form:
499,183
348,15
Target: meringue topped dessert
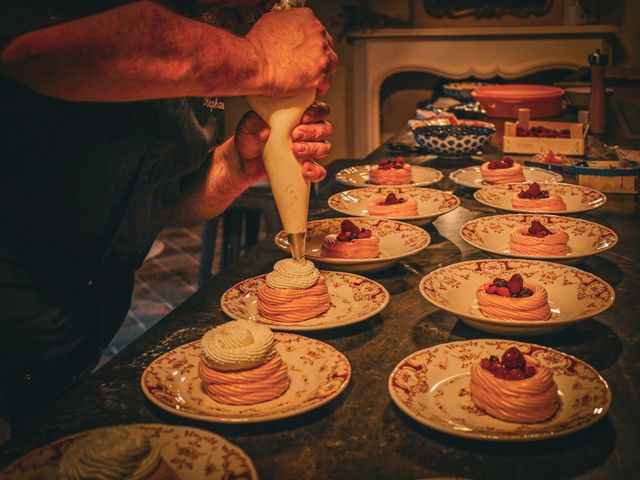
115,452
502,171
513,300
351,242
295,291
391,172
515,388
393,206
239,364
533,198
538,240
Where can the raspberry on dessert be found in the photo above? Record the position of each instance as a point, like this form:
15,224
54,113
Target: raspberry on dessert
515,283
365,233
513,358
514,287
506,162
392,199
512,365
537,229
534,191
349,226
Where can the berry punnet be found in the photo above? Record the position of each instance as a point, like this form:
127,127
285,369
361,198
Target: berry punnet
542,132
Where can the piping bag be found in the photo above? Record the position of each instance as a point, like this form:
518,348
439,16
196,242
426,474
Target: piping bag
290,188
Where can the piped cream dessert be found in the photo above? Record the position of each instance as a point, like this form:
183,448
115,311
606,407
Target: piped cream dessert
502,171
391,172
239,364
513,300
538,240
295,291
536,199
114,453
516,388
352,242
393,206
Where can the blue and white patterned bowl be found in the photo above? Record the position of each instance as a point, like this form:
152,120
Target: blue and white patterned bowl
452,139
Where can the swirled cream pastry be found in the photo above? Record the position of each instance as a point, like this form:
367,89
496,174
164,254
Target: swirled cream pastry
534,199
293,292
391,172
502,171
513,300
538,240
239,364
393,206
516,388
113,454
352,242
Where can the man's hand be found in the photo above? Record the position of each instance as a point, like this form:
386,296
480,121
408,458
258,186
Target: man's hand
309,140
295,53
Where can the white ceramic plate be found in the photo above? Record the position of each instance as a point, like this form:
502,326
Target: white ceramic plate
573,294
432,387
431,203
358,176
397,240
578,199
491,234
472,177
353,299
317,372
192,453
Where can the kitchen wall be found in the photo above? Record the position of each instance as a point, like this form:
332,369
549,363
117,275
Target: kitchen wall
627,53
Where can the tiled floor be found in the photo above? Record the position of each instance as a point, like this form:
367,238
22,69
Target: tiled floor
162,283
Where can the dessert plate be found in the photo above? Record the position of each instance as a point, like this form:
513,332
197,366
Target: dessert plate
318,373
472,177
577,199
431,203
358,176
432,387
353,299
192,453
397,240
573,295
491,234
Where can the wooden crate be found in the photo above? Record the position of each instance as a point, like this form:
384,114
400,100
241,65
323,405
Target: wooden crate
608,176
565,146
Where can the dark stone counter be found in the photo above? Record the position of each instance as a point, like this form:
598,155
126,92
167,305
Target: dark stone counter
362,434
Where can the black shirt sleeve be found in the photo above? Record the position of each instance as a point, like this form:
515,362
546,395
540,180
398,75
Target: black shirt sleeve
22,16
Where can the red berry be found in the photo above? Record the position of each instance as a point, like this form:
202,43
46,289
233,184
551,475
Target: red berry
365,233
400,160
530,371
534,189
484,363
499,371
515,283
391,199
503,291
491,289
508,161
348,226
513,358
344,237
516,374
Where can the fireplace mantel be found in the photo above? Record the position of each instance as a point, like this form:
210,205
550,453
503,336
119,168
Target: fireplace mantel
457,53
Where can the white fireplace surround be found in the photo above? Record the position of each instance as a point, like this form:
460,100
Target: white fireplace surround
458,53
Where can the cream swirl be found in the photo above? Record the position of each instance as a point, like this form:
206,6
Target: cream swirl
237,345
109,454
291,273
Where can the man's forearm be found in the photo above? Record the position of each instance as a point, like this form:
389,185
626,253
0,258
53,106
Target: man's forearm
135,52
209,193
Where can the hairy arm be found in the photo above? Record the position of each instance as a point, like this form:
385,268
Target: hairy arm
135,52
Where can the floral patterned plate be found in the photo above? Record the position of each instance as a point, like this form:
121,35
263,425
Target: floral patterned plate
432,387
358,176
191,453
574,295
353,299
578,199
472,178
491,234
318,373
397,240
431,203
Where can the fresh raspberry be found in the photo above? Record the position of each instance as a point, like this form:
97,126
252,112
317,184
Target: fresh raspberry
392,199
530,371
491,289
508,161
516,374
513,358
343,237
348,226
365,233
515,283
503,291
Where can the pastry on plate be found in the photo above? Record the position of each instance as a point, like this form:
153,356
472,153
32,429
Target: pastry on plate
239,364
391,172
351,242
502,171
538,240
513,299
515,388
533,198
393,206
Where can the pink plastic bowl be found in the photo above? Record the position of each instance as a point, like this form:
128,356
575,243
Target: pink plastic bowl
503,101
